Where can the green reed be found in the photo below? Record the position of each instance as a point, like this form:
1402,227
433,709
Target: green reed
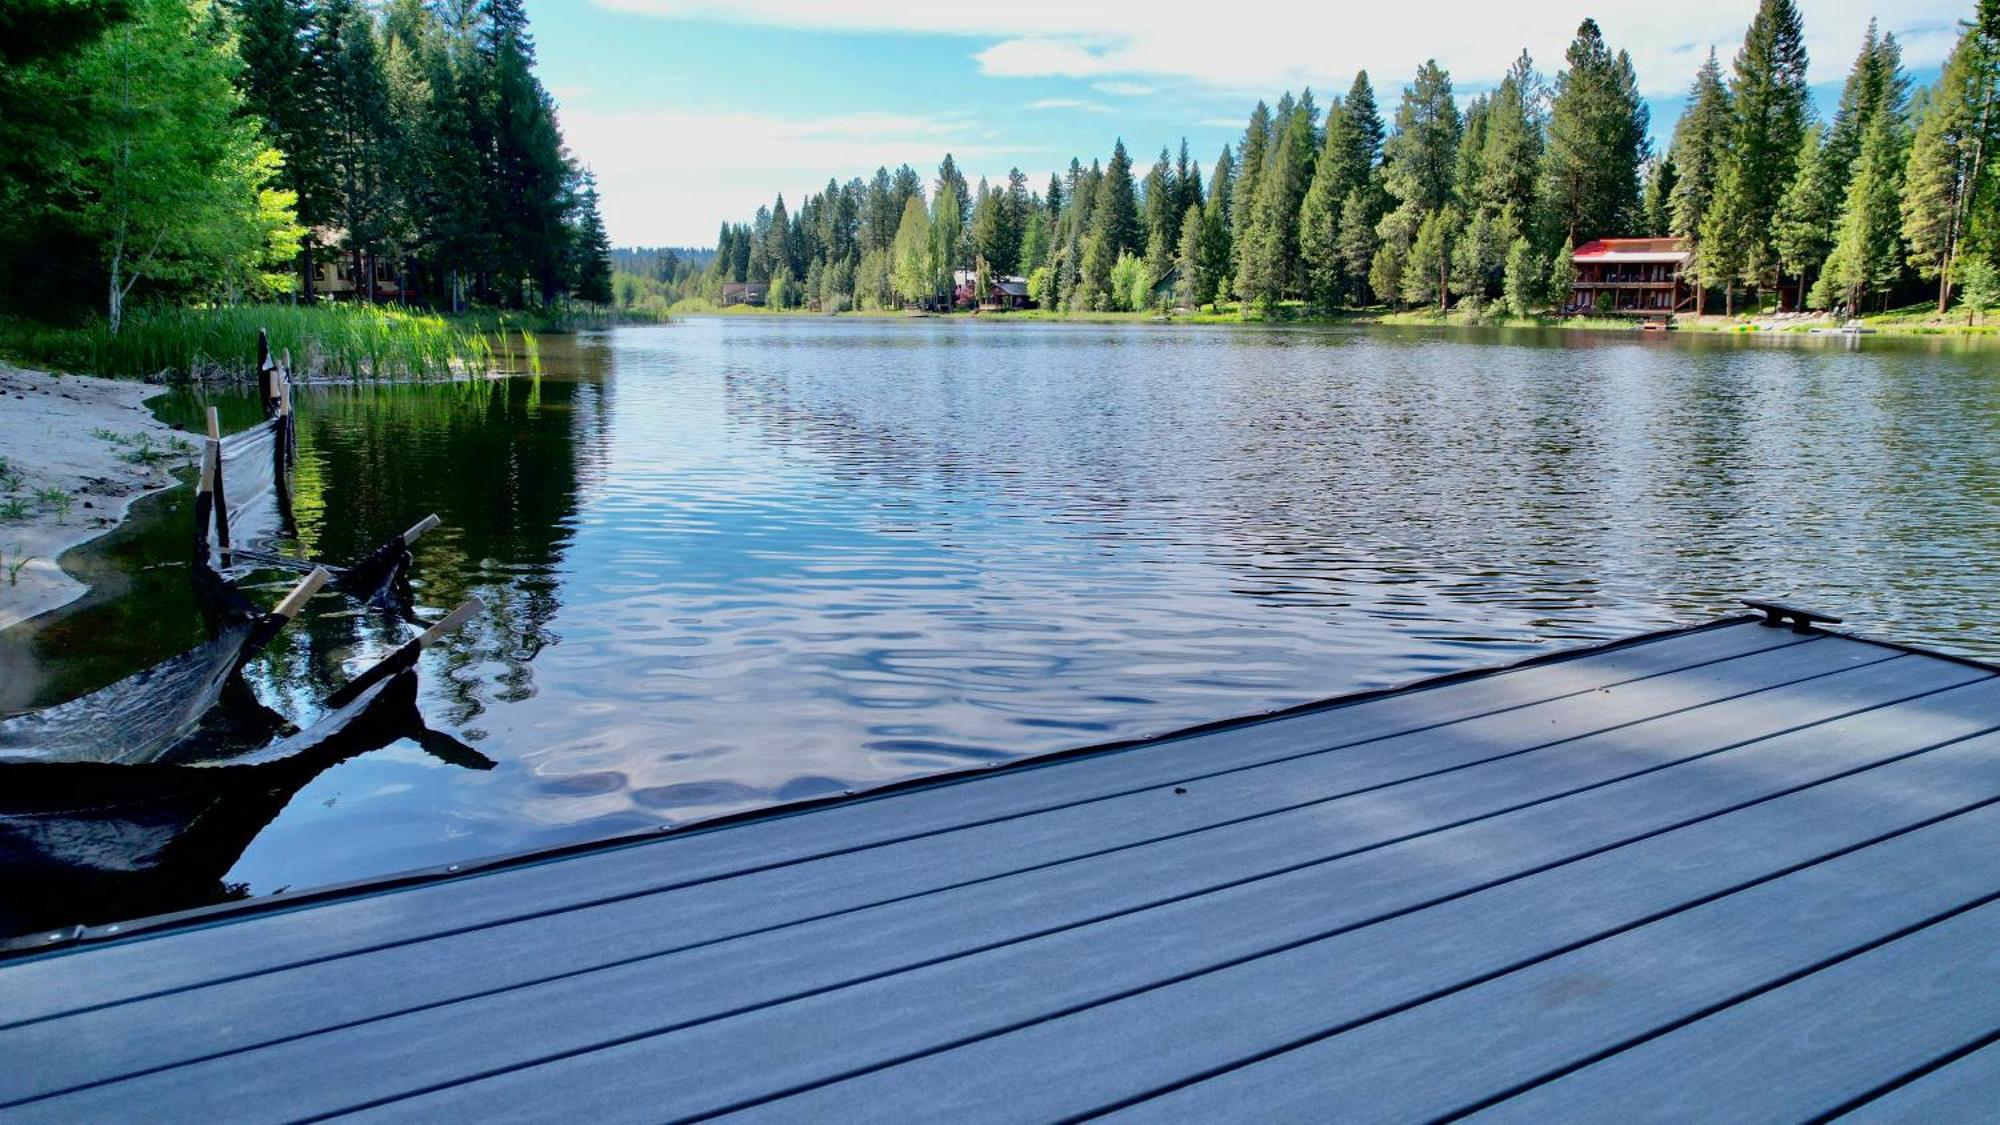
327,341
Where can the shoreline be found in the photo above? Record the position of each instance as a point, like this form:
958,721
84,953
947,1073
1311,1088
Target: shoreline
1713,324
78,451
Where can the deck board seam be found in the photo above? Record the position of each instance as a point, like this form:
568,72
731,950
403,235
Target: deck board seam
1892,1085
1177,978
1711,1009
1180,780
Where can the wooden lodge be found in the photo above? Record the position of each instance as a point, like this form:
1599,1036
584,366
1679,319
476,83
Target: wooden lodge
744,293
1002,292
339,276
1641,277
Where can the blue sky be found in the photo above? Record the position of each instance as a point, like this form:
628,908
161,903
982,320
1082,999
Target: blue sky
695,111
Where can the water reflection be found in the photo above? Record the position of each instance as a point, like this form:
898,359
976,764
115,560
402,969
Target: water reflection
741,561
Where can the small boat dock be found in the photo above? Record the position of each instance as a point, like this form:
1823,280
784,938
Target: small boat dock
1749,869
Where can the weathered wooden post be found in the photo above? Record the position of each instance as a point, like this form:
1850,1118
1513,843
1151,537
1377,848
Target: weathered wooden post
266,369
221,496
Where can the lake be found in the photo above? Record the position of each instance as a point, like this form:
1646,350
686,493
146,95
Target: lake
740,561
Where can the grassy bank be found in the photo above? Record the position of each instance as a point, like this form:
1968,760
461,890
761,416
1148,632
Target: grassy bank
325,341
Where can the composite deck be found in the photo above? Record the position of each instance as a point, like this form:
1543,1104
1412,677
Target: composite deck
1728,872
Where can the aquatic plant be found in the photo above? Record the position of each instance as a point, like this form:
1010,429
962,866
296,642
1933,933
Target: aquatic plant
14,568
15,510
325,341
56,498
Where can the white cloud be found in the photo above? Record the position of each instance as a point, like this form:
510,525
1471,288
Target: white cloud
1324,44
1070,103
671,176
1125,89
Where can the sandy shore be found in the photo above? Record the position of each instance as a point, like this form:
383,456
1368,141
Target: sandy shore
54,439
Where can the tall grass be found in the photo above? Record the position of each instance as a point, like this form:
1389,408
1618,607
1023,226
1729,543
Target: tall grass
327,341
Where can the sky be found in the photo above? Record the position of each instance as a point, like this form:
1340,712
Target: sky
695,112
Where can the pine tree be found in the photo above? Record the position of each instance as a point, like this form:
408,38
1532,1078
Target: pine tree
1811,206
1949,197
1562,275
1251,154
1656,201
1358,243
1420,160
1115,213
1772,105
593,249
1319,233
1192,287
283,84
1700,154
1597,143
1867,255
952,181
1269,267
1427,277
1523,281
1510,157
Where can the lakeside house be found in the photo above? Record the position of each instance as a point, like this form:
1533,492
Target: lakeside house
744,293
1002,292
1642,277
337,276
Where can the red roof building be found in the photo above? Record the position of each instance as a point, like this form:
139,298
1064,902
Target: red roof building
1644,277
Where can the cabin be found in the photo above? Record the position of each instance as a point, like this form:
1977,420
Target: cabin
1002,292
744,293
1640,277
1167,288
335,275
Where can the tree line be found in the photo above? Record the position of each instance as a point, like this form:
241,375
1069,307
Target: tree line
1477,207
207,150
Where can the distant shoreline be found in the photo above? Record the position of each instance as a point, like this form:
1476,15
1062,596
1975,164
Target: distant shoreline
1901,324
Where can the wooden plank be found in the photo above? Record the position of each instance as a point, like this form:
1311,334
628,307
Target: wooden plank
830,1032
1964,1089
1487,1039
1110,1054
1807,1048
58,983
238,1013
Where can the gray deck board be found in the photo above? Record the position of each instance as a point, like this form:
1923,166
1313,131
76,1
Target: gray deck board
1208,842
1963,1089
178,960
1278,917
1560,1011
1852,1027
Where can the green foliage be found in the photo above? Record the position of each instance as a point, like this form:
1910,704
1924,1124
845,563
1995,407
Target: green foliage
1420,161
1129,284
1562,275
1950,198
1978,287
1523,284
1596,142
170,180
915,273
1772,107
338,341
14,511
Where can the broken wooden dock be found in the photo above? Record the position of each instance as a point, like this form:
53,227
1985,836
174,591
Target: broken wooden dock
1736,870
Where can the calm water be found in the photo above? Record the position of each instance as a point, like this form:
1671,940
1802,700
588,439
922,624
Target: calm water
736,562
